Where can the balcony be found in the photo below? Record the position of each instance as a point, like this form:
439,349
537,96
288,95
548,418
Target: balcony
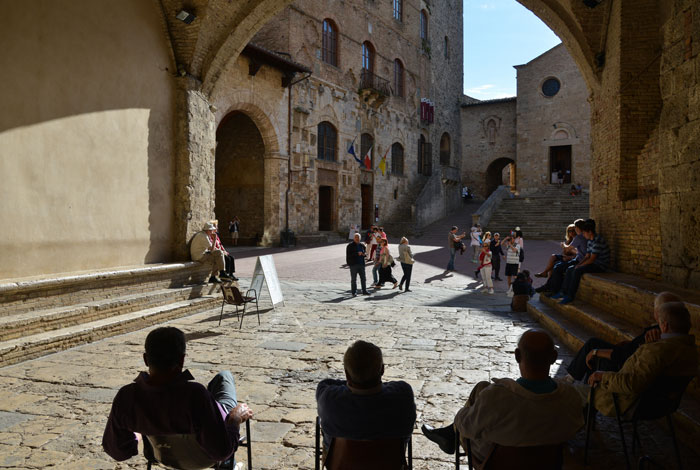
374,90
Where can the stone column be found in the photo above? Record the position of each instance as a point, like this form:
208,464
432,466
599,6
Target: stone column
195,140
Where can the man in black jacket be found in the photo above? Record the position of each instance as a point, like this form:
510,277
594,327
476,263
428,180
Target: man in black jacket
496,255
355,258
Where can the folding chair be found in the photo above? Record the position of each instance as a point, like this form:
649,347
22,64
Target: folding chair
545,457
183,452
378,454
233,296
660,400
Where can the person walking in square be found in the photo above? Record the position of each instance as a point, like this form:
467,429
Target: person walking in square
452,239
496,255
355,259
406,259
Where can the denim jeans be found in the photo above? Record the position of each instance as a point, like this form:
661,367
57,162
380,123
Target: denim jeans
356,269
223,388
574,275
451,263
375,273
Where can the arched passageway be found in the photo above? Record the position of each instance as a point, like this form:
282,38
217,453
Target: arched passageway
240,176
496,176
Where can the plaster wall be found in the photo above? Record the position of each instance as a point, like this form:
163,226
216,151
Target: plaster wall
86,136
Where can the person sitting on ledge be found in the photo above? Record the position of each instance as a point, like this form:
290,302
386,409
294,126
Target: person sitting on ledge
578,246
673,355
533,410
165,400
362,407
610,356
202,250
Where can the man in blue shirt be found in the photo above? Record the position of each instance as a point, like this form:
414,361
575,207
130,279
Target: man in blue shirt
362,407
597,260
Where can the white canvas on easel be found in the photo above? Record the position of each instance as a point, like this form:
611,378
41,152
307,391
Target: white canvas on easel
266,273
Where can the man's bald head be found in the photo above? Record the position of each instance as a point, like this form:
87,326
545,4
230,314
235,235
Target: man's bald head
675,316
364,365
535,353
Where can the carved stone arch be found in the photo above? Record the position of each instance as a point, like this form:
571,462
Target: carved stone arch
563,131
259,112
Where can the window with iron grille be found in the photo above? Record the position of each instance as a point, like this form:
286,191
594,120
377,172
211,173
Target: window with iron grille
398,10
398,78
329,48
327,142
397,159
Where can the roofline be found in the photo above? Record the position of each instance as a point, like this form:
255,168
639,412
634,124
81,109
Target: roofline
273,59
494,101
543,54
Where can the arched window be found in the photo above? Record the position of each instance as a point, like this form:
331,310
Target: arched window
329,47
367,56
398,78
445,149
423,25
366,143
397,159
327,142
398,10
447,48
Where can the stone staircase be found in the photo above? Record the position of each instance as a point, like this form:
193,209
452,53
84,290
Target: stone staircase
616,307
45,315
541,216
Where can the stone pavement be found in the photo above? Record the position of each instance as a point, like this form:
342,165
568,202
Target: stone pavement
442,339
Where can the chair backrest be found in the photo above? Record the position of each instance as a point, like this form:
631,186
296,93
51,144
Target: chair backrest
379,454
661,398
231,294
177,451
549,457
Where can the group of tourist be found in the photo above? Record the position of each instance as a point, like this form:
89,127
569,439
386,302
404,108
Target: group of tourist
583,251
533,410
380,256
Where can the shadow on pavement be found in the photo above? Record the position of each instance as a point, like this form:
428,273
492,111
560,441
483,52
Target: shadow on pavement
438,277
383,297
337,300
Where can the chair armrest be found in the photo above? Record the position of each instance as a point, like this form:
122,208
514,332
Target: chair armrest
255,294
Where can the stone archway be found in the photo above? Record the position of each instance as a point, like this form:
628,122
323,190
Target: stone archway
240,177
494,174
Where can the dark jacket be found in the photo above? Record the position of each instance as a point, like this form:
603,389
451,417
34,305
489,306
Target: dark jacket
351,251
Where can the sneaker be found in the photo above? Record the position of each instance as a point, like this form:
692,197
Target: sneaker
408,290
354,294
566,300
490,291
557,296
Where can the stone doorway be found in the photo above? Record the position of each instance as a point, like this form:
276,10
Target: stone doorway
367,212
325,208
495,175
240,177
560,159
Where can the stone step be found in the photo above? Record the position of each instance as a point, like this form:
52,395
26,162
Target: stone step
39,344
35,321
60,290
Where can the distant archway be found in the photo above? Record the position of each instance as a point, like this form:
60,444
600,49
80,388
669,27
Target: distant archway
240,176
494,174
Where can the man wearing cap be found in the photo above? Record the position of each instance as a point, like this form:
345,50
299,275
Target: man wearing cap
202,250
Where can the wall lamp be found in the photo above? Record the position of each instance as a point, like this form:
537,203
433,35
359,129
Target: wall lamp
592,3
185,16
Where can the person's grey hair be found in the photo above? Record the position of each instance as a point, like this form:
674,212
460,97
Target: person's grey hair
403,239
357,235
363,363
665,297
676,315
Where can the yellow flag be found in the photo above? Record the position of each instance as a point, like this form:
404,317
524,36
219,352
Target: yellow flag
382,163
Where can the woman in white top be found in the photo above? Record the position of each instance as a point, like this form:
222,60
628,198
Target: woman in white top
476,242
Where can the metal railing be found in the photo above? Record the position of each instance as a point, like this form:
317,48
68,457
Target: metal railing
370,81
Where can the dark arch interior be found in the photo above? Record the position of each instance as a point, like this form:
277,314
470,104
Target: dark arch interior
240,175
494,174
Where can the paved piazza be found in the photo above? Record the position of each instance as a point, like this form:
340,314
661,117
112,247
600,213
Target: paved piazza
442,339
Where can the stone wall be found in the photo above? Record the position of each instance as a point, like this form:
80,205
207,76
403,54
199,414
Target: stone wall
544,122
489,141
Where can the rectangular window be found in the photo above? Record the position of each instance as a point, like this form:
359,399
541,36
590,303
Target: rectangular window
398,10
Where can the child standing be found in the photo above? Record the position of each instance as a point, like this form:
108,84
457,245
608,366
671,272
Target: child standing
485,241
485,267
512,262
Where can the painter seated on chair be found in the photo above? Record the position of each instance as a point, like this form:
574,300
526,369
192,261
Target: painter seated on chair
534,410
362,407
166,401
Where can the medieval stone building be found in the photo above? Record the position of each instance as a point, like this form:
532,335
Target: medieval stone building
108,132
525,140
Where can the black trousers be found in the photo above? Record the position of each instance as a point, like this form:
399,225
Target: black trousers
496,265
578,368
230,264
386,276
407,269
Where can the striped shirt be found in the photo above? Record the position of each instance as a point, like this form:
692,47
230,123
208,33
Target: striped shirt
598,246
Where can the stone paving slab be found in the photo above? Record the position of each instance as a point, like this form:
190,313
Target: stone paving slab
441,338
